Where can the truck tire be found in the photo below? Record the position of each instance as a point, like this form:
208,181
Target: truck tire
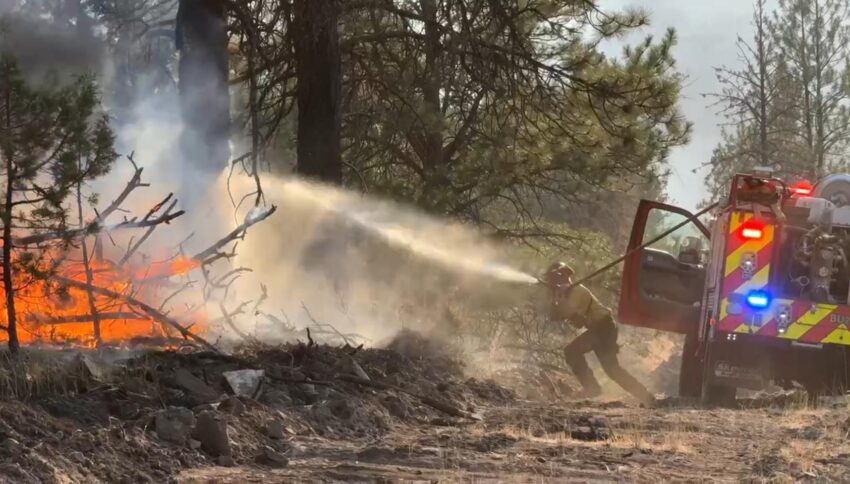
691,370
720,395
713,393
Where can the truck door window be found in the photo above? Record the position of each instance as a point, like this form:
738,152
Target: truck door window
687,244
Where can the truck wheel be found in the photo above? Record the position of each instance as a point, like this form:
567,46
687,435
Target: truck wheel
713,393
690,373
720,395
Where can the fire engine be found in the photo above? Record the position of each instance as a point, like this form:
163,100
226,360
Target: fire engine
762,296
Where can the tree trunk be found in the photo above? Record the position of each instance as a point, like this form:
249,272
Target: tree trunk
807,100
318,70
8,282
431,87
818,108
432,151
201,38
95,316
761,36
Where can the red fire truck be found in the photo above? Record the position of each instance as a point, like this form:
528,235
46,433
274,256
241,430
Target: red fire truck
761,293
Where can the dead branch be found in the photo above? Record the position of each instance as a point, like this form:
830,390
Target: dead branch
132,250
95,228
353,351
83,318
327,327
147,309
227,317
237,233
174,294
135,182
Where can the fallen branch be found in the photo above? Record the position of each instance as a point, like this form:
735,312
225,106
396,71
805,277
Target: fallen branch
146,308
324,327
82,318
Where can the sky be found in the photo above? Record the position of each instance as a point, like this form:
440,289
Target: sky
707,32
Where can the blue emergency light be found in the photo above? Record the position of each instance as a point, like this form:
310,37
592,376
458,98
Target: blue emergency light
758,299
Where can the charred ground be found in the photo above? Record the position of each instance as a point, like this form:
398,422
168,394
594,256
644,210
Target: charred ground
407,411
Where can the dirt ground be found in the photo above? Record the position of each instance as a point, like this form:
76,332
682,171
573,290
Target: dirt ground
528,442
407,413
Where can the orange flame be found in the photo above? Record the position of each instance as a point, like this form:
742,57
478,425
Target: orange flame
47,312
174,267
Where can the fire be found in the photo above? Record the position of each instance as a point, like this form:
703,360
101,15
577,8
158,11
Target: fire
51,312
175,267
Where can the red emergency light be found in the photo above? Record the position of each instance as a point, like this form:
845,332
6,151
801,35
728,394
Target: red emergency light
752,230
802,188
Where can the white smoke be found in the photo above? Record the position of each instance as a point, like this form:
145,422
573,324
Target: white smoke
327,256
365,265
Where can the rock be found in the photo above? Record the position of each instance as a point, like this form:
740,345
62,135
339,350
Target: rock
341,409
174,424
194,386
128,410
76,456
810,433
357,369
395,406
203,407
582,433
276,430
308,393
590,428
233,406
277,397
273,458
245,383
297,450
225,461
211,431
90,368
194,444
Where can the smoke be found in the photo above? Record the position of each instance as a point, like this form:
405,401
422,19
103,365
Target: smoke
365,265
46,46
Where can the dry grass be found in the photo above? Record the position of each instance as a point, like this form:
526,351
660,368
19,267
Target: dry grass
35,373
675,436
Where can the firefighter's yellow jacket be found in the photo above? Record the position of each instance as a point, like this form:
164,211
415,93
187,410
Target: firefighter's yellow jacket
579,306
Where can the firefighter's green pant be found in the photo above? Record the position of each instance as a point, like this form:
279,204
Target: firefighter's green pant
601,338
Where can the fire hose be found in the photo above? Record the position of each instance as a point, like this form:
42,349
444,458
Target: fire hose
639,248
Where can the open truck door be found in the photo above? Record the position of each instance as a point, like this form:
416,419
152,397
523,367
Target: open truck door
662,285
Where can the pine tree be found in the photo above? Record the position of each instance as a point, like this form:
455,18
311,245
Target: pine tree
813,38
51,140
753,101
317,61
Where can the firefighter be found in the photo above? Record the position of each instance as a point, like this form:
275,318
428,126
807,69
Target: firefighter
581,308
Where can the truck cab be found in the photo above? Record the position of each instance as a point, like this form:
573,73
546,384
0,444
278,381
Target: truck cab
760,292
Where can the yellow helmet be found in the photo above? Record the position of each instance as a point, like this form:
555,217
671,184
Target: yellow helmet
558,274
